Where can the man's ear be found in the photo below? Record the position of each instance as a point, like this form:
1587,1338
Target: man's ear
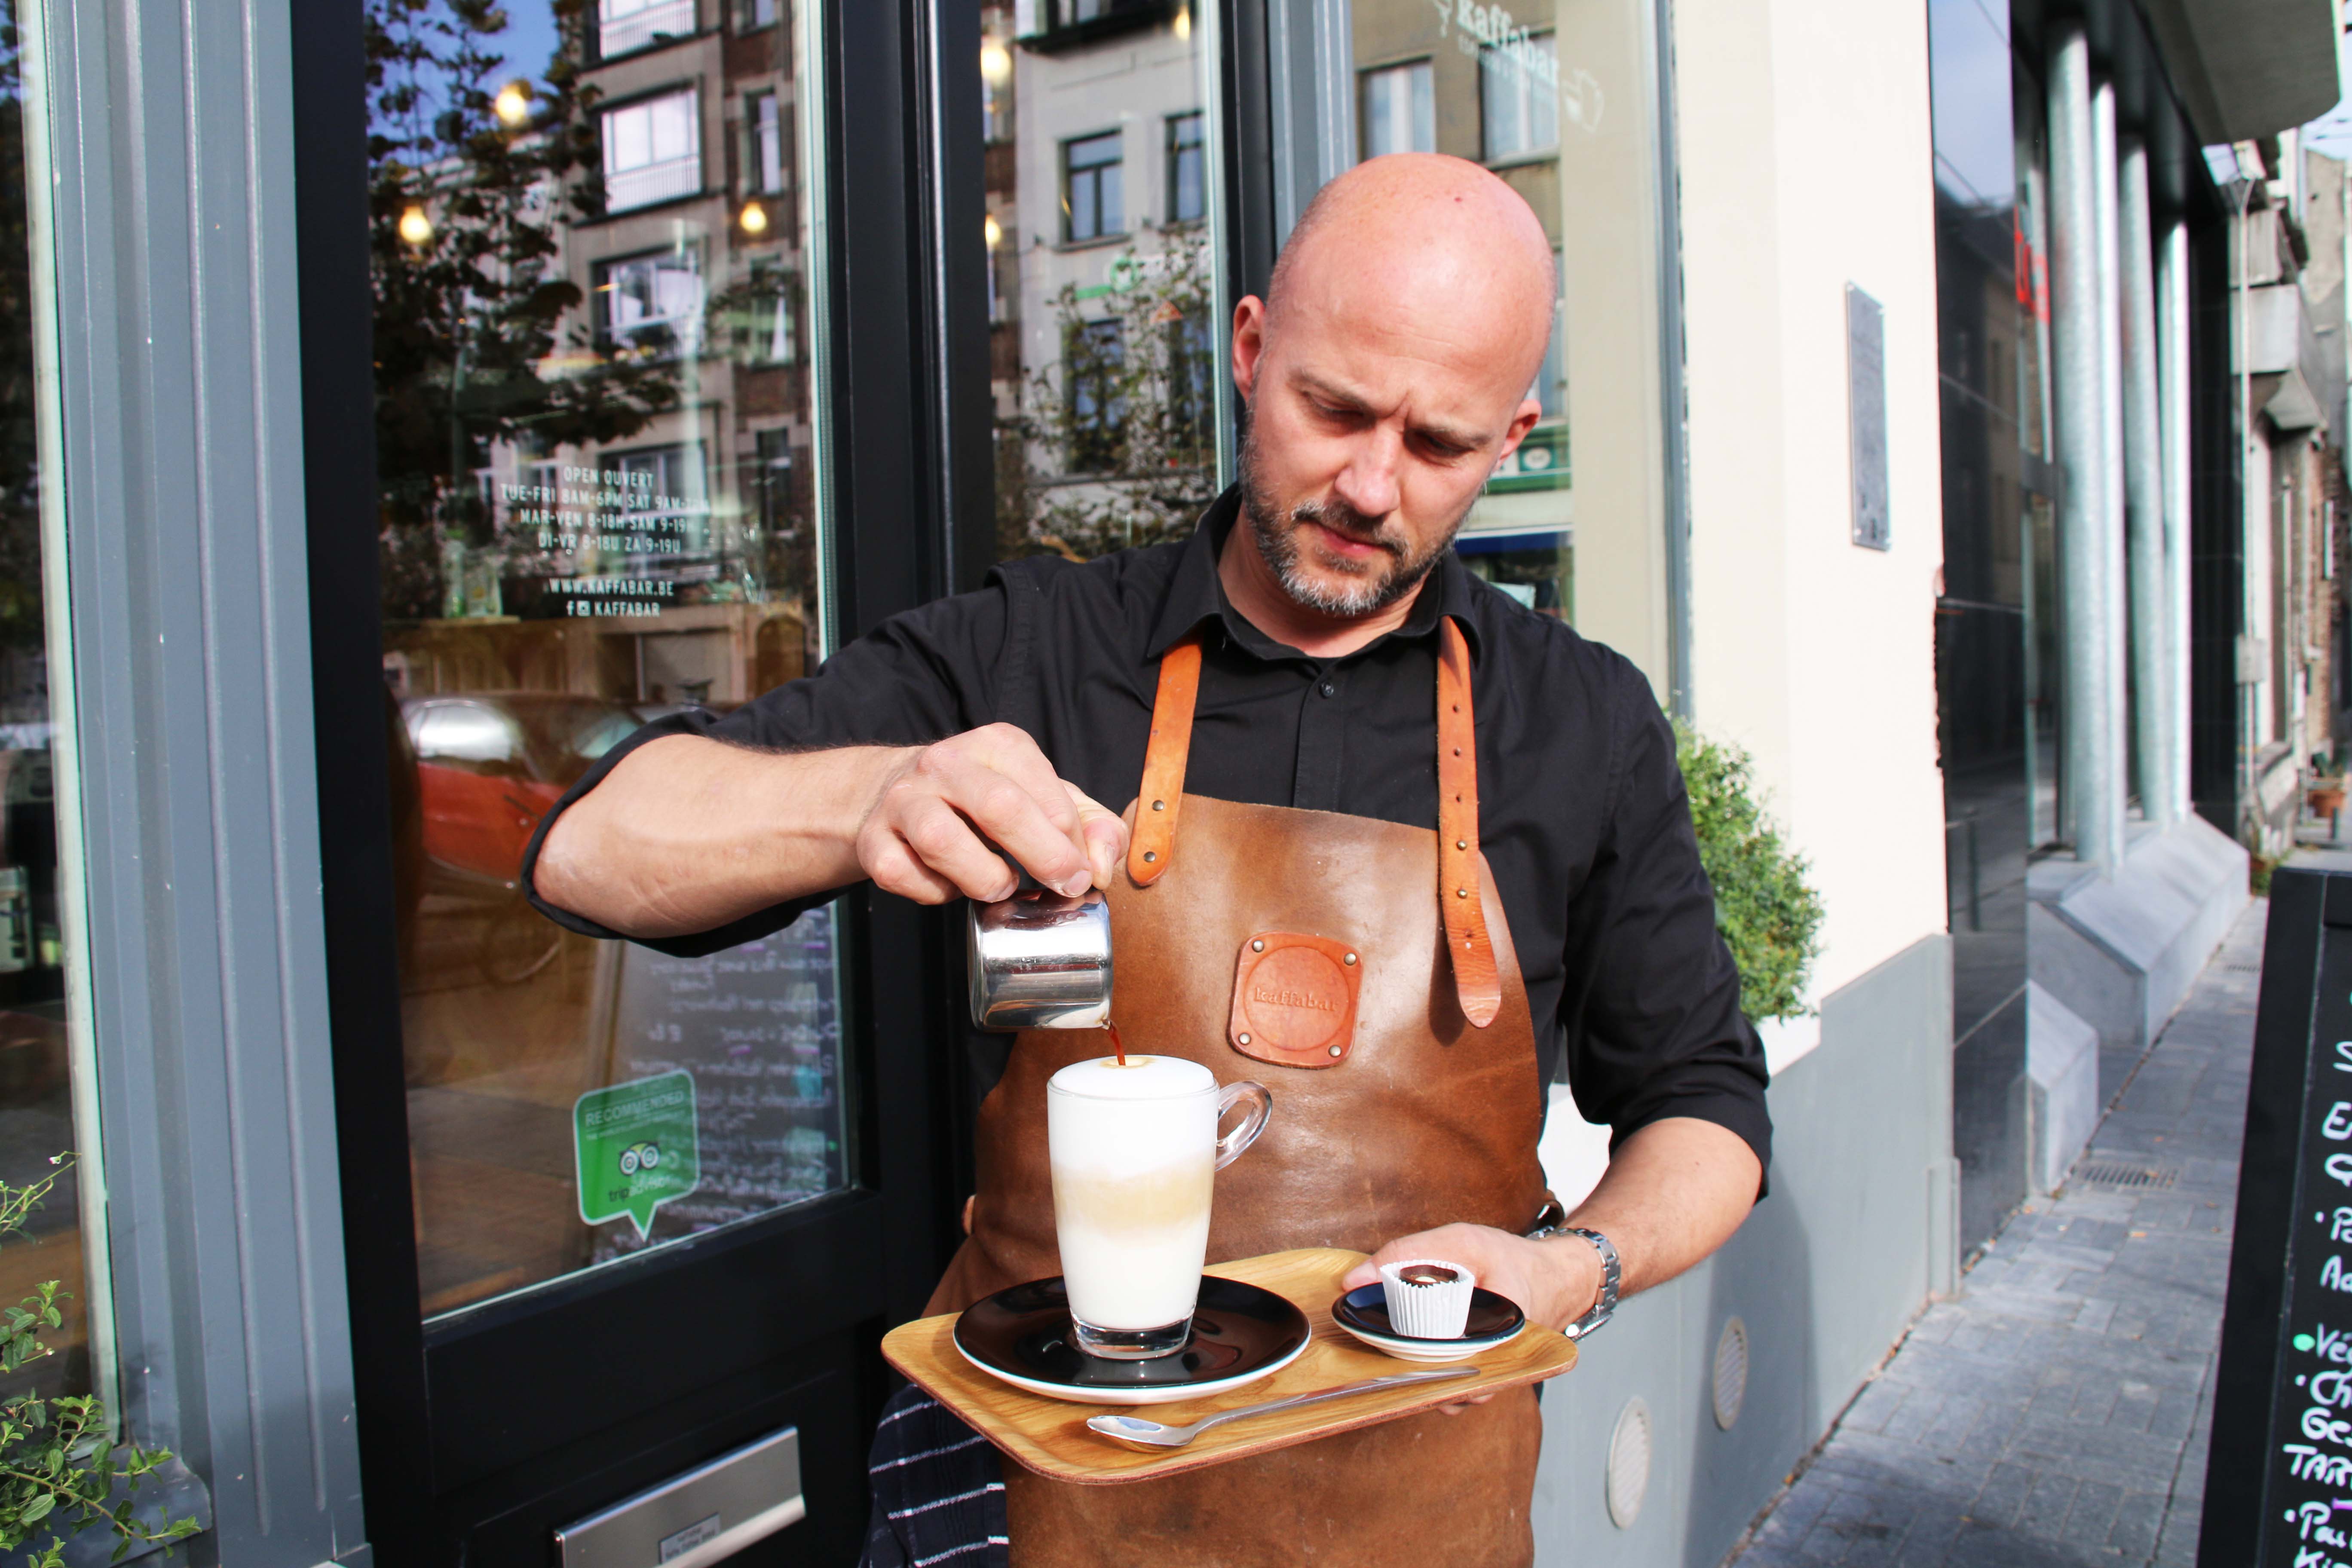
1522,423
1249,343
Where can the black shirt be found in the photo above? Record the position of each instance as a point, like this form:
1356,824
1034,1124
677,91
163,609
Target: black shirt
1581,810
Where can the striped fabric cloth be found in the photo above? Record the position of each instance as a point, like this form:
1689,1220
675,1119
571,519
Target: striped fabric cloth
939,1496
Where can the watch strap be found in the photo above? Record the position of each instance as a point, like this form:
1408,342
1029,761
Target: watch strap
1611,1277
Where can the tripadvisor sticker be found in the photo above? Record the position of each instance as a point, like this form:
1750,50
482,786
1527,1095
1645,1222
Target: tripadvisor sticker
634,1148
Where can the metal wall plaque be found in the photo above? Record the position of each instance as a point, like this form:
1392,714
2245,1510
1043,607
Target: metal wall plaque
1865,371
710,1513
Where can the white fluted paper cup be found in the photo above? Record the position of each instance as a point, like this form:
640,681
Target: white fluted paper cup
1429,1298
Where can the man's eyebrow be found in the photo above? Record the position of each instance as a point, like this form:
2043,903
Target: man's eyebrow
1444,435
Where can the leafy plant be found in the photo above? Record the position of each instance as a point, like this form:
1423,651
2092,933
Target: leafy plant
1769,917
59,1473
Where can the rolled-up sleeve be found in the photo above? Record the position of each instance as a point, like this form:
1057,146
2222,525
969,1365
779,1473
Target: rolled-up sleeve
1654,1028
917,678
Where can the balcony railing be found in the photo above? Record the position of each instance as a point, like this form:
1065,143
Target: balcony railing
649,183
626,35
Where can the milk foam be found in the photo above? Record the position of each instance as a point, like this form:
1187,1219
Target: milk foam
1133,1151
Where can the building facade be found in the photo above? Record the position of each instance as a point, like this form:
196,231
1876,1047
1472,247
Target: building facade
410,398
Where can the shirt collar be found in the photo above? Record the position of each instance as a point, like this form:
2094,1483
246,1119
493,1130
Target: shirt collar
1195,594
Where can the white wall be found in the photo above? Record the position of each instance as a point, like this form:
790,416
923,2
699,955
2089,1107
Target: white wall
1806,162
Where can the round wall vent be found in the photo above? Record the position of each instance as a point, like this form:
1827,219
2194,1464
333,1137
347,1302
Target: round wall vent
1629,1464
1730,1374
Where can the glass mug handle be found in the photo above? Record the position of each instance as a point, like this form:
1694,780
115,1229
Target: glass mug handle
1261,1103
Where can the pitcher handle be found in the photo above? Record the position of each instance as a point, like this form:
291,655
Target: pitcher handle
1261,1102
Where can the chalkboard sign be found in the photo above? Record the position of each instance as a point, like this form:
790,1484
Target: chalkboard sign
2278,1486
759,1028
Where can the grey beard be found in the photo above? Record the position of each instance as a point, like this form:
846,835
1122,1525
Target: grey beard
1278,544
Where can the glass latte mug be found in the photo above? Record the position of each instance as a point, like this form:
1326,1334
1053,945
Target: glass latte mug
1135,1153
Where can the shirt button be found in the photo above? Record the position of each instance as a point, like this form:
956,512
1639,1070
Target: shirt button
1329,690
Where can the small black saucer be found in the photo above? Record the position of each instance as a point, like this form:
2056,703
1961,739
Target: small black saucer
1239,1333
1365,1307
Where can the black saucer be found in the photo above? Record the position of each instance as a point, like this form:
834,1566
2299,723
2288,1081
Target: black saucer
1365,1307
1024,1335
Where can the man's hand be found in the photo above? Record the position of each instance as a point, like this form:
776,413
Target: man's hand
922,836
1555,1281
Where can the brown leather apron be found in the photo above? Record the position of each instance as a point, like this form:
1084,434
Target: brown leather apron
1425,1112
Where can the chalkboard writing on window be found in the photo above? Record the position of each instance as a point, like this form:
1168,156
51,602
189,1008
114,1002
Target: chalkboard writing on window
2278,1486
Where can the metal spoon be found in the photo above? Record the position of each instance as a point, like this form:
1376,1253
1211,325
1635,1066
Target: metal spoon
1160,1435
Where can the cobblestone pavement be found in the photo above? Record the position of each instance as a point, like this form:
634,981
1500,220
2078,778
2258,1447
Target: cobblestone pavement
2058,1410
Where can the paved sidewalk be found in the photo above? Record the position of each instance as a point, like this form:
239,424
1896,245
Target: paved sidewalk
2058,1411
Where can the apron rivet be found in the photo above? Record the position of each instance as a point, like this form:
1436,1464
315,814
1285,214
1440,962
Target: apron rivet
1351,958
1457,751
1159,805
1150,855
1461,844
1243,1038
1335,1051
1258,945
1458,892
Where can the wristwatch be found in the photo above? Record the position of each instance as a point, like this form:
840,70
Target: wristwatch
1611,1275
1547,1223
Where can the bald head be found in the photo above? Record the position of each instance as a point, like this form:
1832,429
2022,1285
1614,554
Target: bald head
1419,231
1386,373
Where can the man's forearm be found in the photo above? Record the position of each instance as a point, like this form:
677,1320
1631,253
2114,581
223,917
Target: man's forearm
1673,1192
687,834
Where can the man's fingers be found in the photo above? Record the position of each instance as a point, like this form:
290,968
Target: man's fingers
1104,834
1013,820
938,838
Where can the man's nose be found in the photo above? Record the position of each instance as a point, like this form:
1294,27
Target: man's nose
1369,483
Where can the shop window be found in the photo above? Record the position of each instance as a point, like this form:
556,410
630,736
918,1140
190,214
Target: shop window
1091,204
1188,191
653,151
651,306
1399,109
601,527
625,26
1107,331
763,144
1518,97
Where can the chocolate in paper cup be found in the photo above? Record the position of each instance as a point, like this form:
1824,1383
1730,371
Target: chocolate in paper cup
1429,1298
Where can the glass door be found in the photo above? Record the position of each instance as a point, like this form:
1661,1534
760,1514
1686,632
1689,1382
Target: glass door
613,1214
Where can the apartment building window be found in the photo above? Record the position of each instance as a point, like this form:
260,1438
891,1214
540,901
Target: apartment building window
653,150
763,144
650,307
625,26
757,14
767,337
1518,98
1398,109
1188,198
1092,207
1093,363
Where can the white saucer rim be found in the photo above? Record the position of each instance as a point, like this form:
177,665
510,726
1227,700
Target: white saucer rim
1407,1348
1073,1393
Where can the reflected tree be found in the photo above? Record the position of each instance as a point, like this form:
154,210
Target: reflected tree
1116,443
23,685
476,167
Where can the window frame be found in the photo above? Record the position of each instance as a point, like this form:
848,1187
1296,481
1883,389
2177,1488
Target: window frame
689,89
1070,171
1176,151
1422,70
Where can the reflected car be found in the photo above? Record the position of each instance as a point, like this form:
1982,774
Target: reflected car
489,766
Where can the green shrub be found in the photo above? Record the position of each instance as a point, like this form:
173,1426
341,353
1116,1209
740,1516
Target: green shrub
1770,919
59,1473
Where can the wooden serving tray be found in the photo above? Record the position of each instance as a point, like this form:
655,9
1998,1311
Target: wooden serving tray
1050,1435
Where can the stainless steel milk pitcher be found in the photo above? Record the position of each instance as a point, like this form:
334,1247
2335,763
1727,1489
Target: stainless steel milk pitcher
1040,961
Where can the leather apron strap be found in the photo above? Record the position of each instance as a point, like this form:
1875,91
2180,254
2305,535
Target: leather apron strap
1478,983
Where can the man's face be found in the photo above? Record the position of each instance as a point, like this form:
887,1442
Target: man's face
1373,424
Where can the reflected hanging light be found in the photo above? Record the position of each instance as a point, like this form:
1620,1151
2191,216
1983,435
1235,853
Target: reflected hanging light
414,226
993,230
513,103
1185,21
995,62
754,219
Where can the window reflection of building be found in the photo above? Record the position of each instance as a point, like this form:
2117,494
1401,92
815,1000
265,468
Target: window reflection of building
1400,111
627,25
1188,191
651,305
653,151
1092,207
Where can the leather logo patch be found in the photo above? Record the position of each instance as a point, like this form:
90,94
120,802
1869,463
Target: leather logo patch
1294,999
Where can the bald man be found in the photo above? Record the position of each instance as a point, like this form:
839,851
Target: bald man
1318,727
